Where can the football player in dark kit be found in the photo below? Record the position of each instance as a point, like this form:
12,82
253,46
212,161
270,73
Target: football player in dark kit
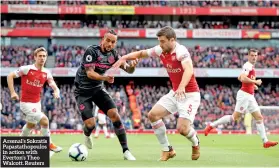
96,60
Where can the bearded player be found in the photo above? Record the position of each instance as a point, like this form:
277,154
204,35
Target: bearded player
184,97
33,78
245,100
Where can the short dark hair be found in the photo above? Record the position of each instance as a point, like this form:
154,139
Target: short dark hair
253,50
168,32
112,32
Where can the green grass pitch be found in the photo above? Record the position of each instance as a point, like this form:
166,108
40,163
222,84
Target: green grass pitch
216,151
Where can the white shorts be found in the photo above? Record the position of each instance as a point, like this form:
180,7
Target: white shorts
102,118
246,103
32,112
186,109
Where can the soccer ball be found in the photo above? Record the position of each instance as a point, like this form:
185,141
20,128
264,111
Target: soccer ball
78,152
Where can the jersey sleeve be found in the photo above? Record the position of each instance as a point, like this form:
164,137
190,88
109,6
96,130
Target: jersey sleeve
23,70
246,69
182,54
50,80
89,58
155,51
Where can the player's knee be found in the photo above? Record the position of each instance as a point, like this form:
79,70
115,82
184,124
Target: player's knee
236,116
113,115
153,117
89,123
259,119
30,125
183,130
44,122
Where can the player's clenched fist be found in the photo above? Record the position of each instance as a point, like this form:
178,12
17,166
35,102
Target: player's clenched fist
258,82
110,79
14,96
180,93
134,63
56,95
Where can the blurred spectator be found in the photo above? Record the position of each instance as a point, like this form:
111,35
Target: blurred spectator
225,23
217,100
203,57
201,3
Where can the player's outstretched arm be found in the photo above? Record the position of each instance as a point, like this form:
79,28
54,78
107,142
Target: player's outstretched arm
131,56
136,55
10,81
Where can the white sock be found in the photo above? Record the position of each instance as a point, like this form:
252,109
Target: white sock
46,132
160,132
25,131
261,130
192,136
97,131
223,120
105,130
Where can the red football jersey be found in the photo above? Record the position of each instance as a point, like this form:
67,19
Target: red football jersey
249,70
32,82
172,63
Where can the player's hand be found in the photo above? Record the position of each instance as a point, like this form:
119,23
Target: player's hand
110,79
134,63
256,87
14,96
258,82
180,93
56,95
120,62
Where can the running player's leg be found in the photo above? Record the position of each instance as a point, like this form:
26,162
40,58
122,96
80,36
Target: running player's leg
44,123
162,108
111,130
248,123
240,108
254,109
33,116
102,124
187,110
107,105
98,128
27,129
27,108
105,129
85,106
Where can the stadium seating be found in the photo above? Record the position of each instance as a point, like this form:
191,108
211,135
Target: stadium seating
204,3
217,100
203,57
225,23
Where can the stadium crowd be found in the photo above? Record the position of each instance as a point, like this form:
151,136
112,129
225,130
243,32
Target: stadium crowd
217,100
201,3
203,57
181,23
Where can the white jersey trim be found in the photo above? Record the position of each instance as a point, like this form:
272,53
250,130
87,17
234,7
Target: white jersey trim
247,67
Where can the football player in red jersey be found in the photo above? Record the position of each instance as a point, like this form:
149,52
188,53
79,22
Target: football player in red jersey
184,98
33,78
102,123
245,100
